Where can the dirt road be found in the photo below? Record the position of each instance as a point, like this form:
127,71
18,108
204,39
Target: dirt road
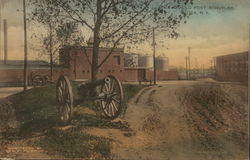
184,121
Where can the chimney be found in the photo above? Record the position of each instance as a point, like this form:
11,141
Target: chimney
5,41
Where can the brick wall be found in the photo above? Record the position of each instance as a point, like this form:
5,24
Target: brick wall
79,60
16,75
233,67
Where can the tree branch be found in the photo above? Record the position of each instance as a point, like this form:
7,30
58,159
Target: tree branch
73,18
131,19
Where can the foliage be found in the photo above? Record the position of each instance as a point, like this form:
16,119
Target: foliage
73,143
115,22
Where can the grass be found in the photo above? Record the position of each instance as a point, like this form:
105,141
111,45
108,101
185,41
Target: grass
73,143
36,111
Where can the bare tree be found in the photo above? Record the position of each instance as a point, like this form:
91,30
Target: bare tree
115,22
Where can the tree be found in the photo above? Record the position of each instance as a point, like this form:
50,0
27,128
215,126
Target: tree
115,22
57,34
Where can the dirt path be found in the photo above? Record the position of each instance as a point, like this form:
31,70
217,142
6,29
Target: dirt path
162,129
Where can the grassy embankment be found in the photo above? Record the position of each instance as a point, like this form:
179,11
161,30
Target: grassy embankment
36,111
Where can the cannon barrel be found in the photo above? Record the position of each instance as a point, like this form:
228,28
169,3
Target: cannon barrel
88,89
97,82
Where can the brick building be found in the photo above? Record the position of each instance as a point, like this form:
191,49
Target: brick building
233,67
75,63
78,61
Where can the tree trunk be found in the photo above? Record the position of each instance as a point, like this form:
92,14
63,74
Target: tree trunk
94,67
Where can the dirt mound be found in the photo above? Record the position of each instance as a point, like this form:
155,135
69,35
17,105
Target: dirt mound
217,117
199,120
210,110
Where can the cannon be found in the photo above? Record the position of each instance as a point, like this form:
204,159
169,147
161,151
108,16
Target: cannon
107,92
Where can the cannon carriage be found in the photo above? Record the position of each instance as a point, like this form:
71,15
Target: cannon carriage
107,92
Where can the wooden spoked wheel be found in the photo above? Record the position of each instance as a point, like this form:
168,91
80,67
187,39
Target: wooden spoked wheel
64,96
112,102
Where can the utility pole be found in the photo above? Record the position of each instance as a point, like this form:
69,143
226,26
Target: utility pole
214,63
187,67
203,75
5,28
211,64
154,56
189,63
1,7
25,77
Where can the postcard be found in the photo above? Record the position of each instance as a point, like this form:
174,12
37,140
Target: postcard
124,79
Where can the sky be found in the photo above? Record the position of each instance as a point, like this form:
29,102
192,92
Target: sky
224,30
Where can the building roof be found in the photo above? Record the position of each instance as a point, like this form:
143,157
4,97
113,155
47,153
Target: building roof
90,47
233,54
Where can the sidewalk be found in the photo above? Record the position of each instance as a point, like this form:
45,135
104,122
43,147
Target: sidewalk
7,91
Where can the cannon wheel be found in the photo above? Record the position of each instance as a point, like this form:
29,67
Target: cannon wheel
64,96
112,103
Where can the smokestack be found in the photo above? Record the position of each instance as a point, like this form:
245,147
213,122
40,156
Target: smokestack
5,41
0,29
0,35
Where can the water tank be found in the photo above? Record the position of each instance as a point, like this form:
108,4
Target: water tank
130,60
145,61
161,63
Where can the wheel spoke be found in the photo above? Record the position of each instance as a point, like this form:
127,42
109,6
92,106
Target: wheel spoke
112,109
112,85
61,85
105,105
106,86
116,100
109,84
116,109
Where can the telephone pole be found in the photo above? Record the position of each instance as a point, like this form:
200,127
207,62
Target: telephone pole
189,63
203,74
5,28
187,67
25,77
154,65
0,29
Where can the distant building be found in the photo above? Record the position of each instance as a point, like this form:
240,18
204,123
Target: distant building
145,61
131,60
161,63
232,67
